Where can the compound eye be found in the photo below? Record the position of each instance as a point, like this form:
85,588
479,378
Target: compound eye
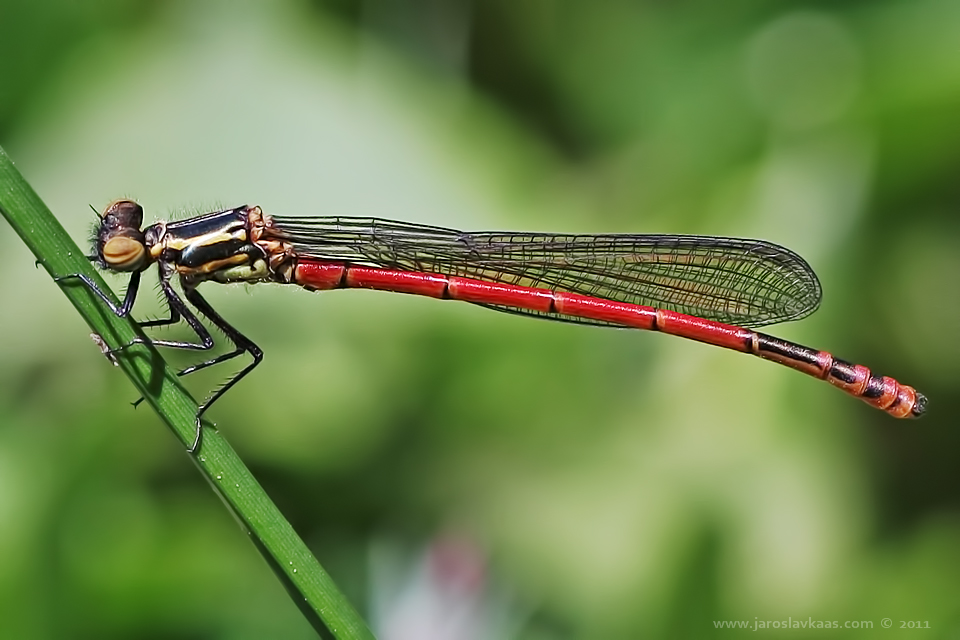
122,253
123,214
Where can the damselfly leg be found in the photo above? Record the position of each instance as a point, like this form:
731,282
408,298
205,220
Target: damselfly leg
180,310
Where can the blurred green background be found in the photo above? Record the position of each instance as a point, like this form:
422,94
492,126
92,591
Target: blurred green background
463,473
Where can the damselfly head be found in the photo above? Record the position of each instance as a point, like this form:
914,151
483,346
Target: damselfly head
120,242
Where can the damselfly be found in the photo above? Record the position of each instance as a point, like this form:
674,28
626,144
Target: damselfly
698,287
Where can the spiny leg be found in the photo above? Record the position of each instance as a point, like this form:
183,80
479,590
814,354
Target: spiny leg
128,299
242,344
177,307
175,304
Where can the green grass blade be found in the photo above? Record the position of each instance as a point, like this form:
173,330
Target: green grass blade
309,585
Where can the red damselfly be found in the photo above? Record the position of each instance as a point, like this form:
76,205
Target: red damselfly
710,289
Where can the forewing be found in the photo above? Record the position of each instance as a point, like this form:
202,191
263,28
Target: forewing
736,281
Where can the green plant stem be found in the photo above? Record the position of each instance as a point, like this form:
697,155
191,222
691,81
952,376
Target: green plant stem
309,585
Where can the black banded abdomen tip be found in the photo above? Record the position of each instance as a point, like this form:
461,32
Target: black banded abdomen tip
919,405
